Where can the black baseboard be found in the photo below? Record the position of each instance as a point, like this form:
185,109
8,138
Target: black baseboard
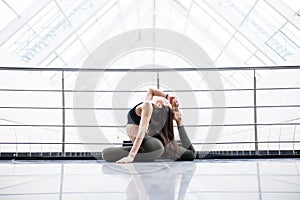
200,155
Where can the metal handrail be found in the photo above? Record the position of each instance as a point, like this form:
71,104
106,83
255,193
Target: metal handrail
63,91
99,69
118,143
123,126
142,91
182,108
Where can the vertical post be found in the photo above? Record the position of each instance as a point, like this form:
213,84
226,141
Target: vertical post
63,112
255,114
157,79
294,139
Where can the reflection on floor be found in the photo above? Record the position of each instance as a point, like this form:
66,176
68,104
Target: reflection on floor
201,179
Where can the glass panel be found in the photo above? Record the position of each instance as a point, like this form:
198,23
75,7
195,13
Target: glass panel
294,5
225,61
282,45
222,34
186,3
26,80
279,79
72,9
235,47
6,15
19,6
291,32
44,16
10,44
20,116
35,99
85,27
278,137
233,116
225,24
245,42
278,115
30,135
48,60
264,20
233,11
198,13
44,27
264,58
230,136
57,62
212,49
166,16
277,97
254,61
72,51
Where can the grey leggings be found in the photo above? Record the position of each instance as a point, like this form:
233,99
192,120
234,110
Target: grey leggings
151,149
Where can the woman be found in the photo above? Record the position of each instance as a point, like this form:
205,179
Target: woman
150,128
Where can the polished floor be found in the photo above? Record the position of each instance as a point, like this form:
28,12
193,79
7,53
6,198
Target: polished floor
202,179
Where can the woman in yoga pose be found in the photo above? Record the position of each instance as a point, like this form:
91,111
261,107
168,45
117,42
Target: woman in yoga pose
150,128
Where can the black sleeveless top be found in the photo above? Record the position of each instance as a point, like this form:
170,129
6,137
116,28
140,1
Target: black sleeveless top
132,117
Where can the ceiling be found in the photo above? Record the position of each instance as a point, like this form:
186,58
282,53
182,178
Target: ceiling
53,33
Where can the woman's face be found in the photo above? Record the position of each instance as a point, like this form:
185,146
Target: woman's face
160,101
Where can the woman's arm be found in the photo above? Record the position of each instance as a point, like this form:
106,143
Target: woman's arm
185,141
145,119
155,92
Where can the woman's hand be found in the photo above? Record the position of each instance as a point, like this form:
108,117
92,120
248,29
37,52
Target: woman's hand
128,159
177,114
174,102
171,98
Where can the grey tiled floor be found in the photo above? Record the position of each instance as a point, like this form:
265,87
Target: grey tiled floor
201,179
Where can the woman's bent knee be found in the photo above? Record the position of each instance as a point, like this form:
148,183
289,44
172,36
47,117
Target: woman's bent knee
113,154
106,154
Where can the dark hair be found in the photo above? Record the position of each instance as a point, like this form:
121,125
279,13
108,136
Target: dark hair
161,127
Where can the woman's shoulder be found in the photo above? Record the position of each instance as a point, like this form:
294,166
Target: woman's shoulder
141,104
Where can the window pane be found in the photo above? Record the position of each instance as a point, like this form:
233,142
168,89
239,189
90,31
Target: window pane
19,6
291,32
6,15
282,45
294,5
